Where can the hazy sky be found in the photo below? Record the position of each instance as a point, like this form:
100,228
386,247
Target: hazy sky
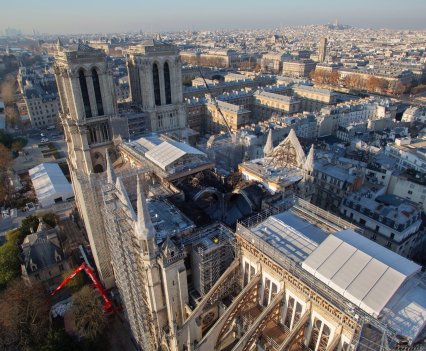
105,16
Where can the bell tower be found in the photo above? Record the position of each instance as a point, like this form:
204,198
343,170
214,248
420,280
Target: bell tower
155,78
89,118
89,108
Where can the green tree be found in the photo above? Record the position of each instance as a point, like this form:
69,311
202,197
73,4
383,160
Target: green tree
50,219
9,263
18,144
15,236
10,267
59,340
6,139
27,224
90,319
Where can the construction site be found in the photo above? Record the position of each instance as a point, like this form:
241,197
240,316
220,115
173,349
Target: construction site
205,257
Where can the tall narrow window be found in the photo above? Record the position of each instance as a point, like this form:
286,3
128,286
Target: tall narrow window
246,273
167,84
266,289
156,81
315,334
297,314
252,272
289,314
85,94
98,95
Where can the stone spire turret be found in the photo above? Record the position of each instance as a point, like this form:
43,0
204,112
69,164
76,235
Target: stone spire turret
144,228
111,177
309,163
124,197
269,146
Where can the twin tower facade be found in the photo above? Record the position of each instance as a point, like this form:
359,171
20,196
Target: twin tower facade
90,117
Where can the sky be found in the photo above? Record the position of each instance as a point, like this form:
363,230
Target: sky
109,16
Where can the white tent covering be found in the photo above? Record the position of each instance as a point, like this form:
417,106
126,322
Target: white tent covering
169,152
361,270
50,184
406,311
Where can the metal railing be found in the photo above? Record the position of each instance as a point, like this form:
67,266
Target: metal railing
325,216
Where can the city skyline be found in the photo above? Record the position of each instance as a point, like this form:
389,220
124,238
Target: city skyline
103,17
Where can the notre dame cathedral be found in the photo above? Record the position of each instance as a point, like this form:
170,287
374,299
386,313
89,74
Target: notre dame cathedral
291,278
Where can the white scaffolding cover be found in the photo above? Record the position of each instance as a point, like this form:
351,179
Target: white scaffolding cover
50,184
361,270
169,152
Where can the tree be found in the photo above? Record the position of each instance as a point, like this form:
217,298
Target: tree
27,224
399,88
334,77
16,237
59,340
90,319
18,144
24,316
76,283
5,158
9,263
8,90
12,115
50,219
373,83
10,267
5,163
5,139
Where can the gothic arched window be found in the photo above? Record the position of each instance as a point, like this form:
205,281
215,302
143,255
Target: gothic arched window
84,93
156,81
98,95
167,86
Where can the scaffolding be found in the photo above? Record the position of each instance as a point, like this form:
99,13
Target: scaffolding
362,318
213,250
129,268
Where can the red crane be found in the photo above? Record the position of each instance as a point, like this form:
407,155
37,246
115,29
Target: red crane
107,302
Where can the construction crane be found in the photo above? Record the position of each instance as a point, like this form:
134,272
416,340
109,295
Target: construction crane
233,135
107,306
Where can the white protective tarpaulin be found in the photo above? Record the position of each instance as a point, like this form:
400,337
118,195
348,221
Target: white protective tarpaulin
361,270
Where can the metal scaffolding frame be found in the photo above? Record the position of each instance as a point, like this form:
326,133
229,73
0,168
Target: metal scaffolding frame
129,268
212,257
390,336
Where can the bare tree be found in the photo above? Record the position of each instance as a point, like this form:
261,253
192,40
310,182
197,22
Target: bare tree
90,319
5,162
24,316
5,158
12,115
8,90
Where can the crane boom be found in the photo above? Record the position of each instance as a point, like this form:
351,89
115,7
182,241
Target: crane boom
107,302
216,103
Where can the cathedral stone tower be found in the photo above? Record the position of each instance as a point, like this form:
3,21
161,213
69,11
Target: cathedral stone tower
155,77
89,118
